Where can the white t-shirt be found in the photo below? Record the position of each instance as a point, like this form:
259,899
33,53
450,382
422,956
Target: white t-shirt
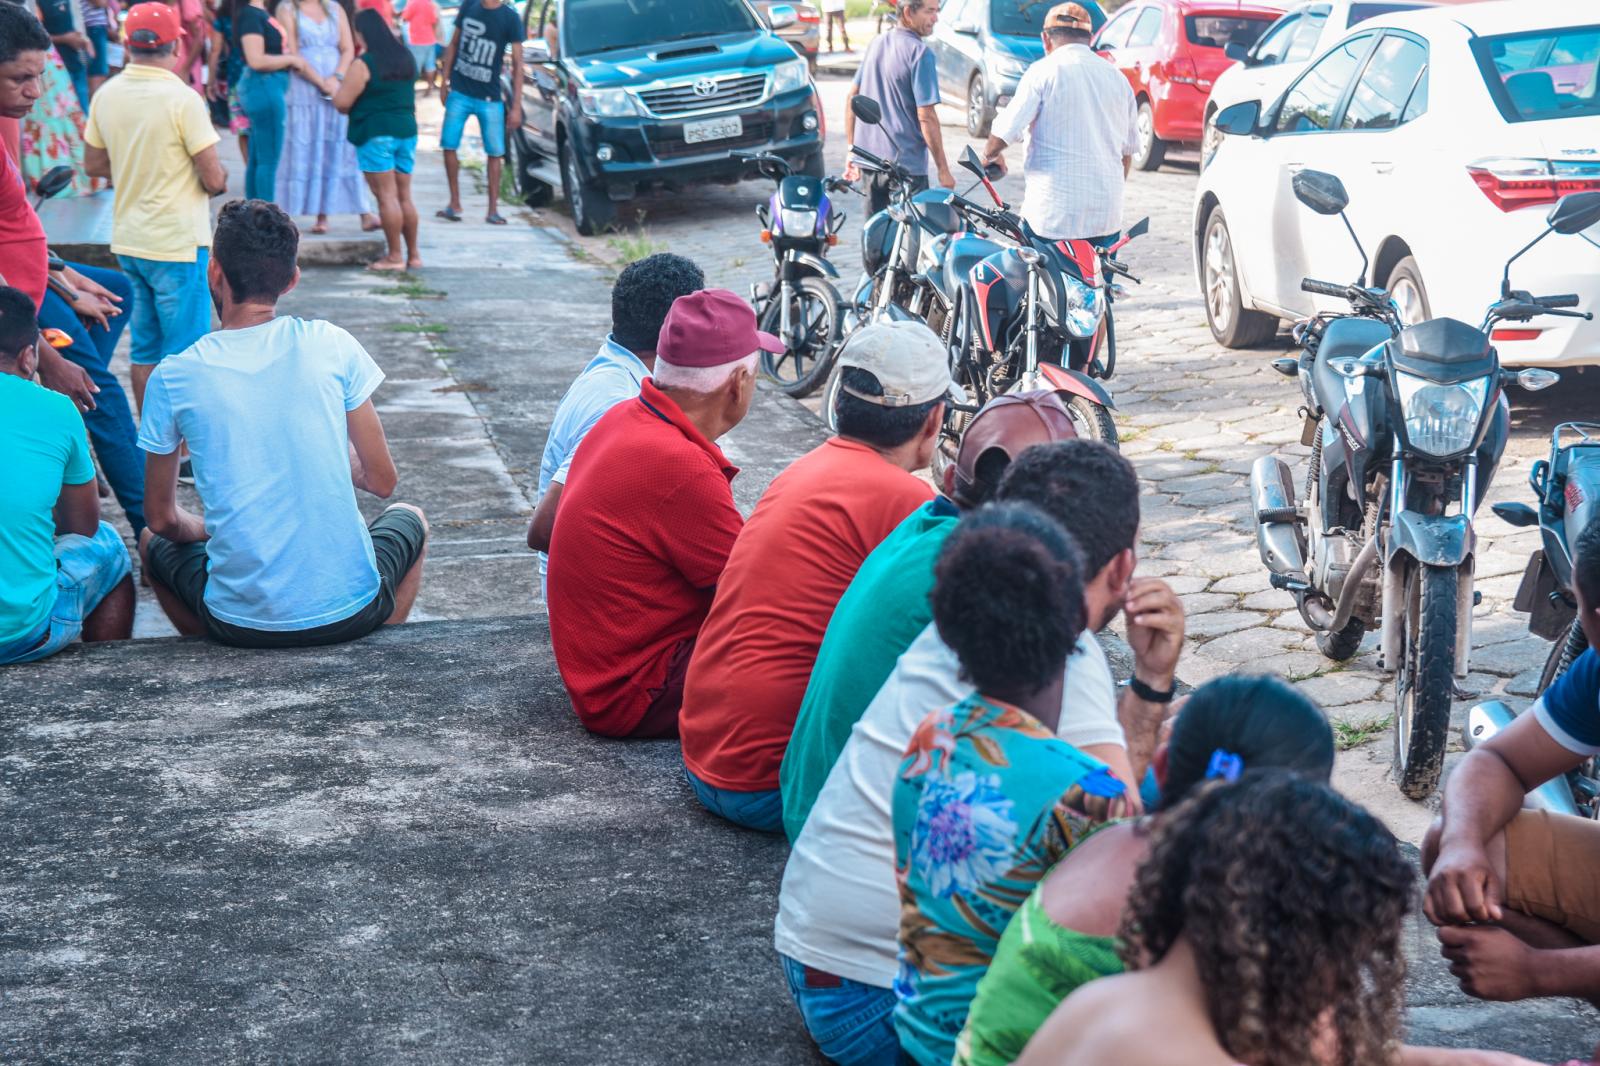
833,7
839,908
263,410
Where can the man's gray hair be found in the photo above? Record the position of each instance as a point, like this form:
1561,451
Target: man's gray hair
160,51
701,379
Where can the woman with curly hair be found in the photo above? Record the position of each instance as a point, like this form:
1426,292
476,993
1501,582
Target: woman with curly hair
988,797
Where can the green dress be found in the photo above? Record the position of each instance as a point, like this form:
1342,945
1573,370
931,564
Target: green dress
1037,965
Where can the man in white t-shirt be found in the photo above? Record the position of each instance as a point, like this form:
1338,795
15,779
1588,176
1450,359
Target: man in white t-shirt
278,415
839,907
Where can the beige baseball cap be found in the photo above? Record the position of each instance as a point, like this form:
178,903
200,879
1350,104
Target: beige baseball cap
1069,17
907,358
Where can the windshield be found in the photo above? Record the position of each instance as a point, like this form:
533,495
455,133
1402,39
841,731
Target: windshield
1219,31
1542,75
609,25
1019,18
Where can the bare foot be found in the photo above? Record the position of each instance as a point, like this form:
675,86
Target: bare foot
386,265
370,223
321,225
414,262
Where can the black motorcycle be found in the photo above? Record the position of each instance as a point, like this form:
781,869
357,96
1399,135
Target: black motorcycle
1406,426
799,306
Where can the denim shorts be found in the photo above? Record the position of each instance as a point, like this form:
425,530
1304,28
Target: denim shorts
423,54
491,116
380,155
171,305
87,569
753,810
99,64
852,1023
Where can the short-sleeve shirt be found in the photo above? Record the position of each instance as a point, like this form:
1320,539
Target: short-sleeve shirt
249,20
23,250
45,447
878,617
485,33
57,15
263,410
152,125
422,22
900,72
1569,710
798,553
646,523
985,802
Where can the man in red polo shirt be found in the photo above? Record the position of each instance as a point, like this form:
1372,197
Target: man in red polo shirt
794,559
647,520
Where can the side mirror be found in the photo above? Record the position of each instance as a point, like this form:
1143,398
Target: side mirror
1573,213
1322,192
1236,52
1240,120
969,29
1139,228
53,181
782,16
536,50
1516,514
970,161
866,109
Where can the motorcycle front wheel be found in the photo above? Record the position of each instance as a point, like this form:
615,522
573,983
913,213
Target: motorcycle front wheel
1091,421
814,314
1424,685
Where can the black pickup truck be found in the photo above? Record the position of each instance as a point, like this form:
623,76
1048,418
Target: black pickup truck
625,95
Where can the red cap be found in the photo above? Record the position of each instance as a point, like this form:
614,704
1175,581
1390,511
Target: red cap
712,327
151,25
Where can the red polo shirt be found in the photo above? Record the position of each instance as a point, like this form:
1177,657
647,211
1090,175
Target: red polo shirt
23,252
644,529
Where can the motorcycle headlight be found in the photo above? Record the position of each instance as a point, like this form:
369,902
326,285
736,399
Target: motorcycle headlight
797,222
1441,419
1083,307
606,103
786,77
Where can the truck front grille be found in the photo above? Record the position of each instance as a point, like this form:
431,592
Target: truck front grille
715,93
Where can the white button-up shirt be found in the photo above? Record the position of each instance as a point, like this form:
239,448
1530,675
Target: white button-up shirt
1080,116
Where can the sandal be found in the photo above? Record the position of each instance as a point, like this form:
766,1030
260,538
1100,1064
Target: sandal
495,219
449,214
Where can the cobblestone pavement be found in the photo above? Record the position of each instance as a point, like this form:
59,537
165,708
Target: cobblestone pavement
1193,417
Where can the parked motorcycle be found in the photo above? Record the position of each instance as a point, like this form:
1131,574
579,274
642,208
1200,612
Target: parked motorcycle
1406,426
800,305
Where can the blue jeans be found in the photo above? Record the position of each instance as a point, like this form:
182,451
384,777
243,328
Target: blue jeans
78,70
753,810
263,97
852,1023
87,569
171,305
491,116
98,66
110,424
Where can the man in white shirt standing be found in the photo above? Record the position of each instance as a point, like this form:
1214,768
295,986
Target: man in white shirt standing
1080,117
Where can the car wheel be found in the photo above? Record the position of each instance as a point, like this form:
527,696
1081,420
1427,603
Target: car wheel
979,117
1410,295
1152,149
1232,324
591,208
534,192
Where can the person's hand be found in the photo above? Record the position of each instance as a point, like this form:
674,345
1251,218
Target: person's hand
1155,630
852,173
83,283
59,374
213,90
330,86
1489,962
93,308
515,117
80,42
444,90
997,160
1462,888
947,179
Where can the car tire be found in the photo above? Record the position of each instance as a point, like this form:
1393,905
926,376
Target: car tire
592,210
1232,324
980,116
1410,295
1152,149
534,192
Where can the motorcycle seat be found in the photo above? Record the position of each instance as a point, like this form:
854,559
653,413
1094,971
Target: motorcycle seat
1345,338
1443,350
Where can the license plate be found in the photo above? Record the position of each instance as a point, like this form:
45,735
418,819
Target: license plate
715,129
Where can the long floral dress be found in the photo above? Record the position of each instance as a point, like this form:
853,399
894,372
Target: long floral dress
52,134
318,174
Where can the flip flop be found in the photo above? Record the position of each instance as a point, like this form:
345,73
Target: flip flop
495,219
449,214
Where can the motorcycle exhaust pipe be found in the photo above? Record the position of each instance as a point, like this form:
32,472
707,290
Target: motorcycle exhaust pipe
1485,721
1277,517
1352,590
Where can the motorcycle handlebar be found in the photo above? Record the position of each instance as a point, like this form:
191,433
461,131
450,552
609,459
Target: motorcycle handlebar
1324,288
1568,300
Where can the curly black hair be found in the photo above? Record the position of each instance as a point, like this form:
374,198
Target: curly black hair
1008,597
1292,899
1586,564
873,423
255,245
19,326
1261,718
1086,486
20,32
643,295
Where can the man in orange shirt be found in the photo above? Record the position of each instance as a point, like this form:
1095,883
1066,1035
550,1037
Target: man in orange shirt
793,560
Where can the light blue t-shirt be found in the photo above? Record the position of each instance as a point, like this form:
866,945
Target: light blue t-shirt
612,376
900,72
263,410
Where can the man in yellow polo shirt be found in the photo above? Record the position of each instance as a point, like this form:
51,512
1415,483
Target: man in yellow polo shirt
151,134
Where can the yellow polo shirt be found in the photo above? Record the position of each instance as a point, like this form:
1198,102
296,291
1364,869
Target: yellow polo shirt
152,124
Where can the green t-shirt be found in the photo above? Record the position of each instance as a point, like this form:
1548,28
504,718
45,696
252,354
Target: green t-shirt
1037,965
875,621
44,447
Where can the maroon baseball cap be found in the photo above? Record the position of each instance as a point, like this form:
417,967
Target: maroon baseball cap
712,327
151,25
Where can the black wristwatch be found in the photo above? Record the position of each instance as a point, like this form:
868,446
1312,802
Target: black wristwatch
1148,694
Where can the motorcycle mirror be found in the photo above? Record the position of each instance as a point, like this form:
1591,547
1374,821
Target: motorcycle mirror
1537,379
53,181
970,161
1517,514
1575,213
1322,192
866,109
1139,228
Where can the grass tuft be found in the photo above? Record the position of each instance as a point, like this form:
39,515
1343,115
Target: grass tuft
419,327
1347,735
630,247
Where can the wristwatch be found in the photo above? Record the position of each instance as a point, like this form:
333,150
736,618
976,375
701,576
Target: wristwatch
1148,694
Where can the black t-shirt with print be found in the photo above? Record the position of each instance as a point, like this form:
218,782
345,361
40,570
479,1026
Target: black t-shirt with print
251,19
485,33
57,15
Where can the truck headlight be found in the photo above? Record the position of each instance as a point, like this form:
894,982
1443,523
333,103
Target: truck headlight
1441,419
606,103
1083,308
786,77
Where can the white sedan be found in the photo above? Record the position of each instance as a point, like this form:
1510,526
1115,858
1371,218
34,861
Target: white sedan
1454,130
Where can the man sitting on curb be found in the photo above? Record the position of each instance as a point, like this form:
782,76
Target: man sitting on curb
1513,891
795,557
640,300
279,417
887,603
647,520
63,572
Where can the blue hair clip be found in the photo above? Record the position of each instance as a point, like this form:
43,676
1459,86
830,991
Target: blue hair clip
1226,765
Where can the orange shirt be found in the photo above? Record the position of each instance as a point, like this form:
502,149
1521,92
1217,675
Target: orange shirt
792,561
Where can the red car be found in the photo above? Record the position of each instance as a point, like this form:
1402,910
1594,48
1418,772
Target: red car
1171,52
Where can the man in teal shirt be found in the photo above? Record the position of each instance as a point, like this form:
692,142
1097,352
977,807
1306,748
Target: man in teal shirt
886,605
63,572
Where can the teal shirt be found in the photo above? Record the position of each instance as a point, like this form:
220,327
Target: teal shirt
987,800
44,447
875,621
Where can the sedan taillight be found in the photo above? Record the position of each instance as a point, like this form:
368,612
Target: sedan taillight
1183,71
1513,183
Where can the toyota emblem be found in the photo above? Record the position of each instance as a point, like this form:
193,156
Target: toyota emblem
705,87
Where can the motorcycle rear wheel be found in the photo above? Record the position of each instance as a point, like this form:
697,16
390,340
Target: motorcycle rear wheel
1092,421
1563,653
801,370
1424,685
